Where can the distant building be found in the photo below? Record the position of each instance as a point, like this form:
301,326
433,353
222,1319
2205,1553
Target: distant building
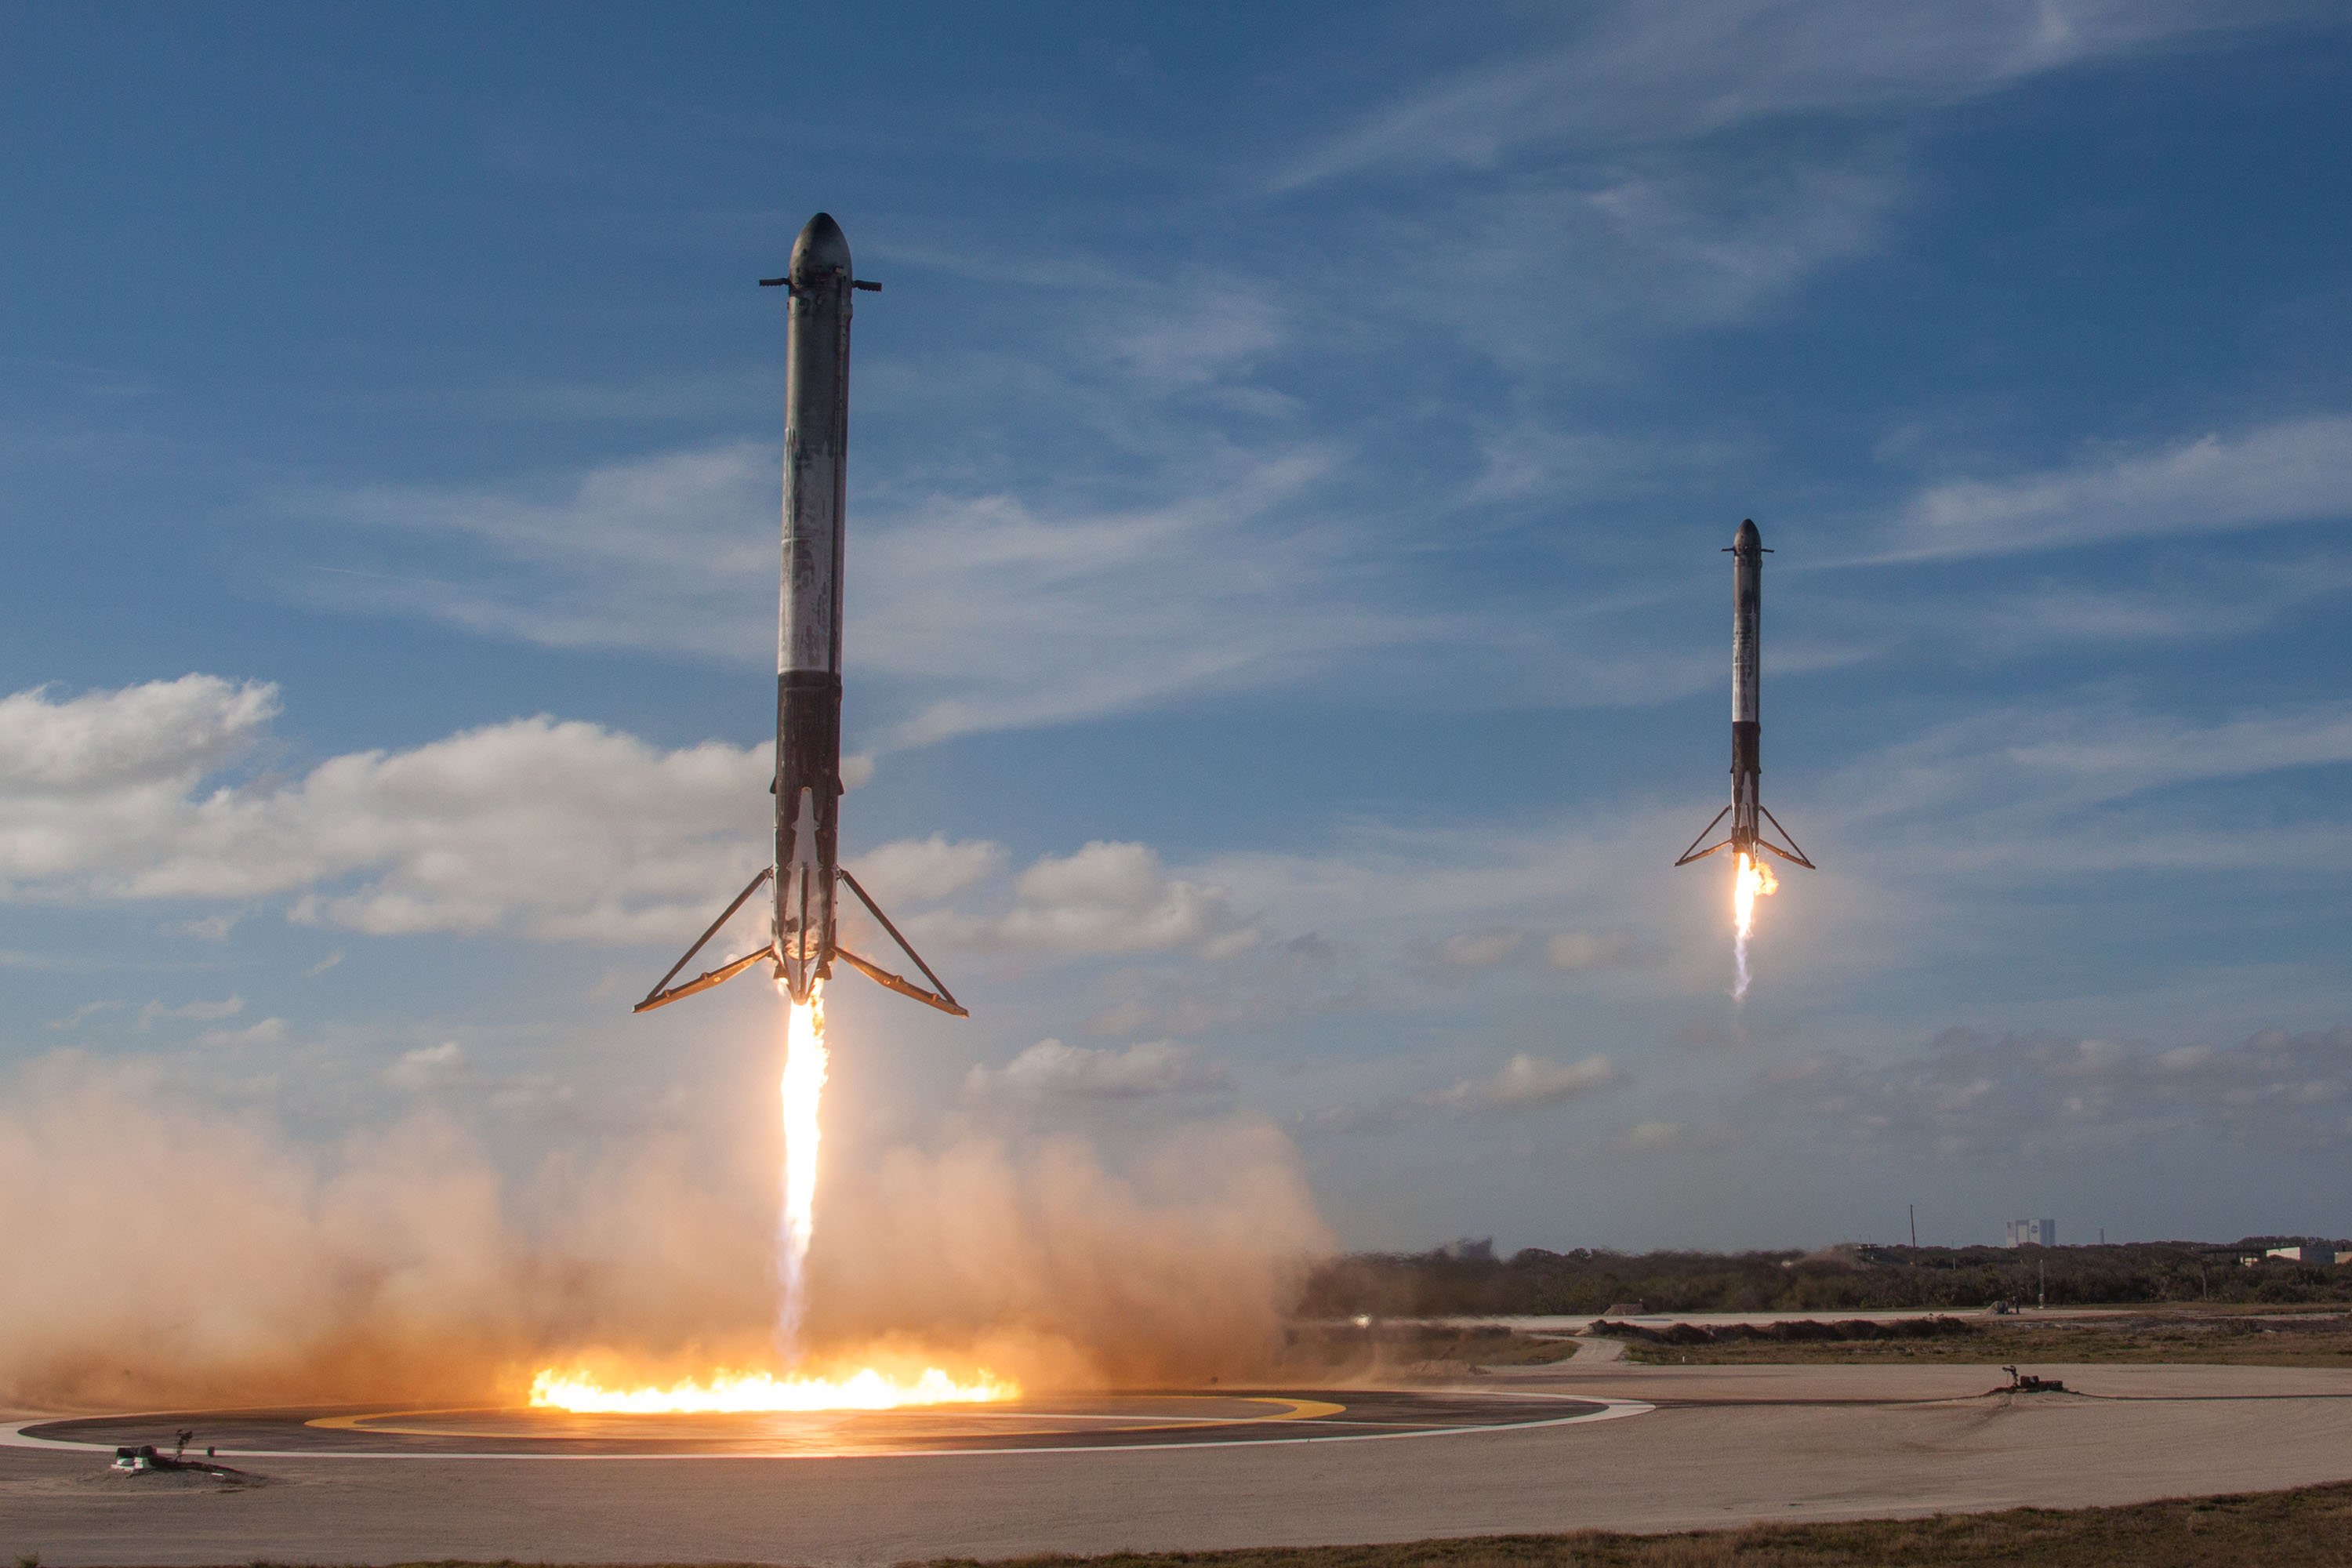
2032,1233
2326,1256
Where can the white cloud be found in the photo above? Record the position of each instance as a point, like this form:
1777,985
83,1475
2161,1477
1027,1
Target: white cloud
1482,949
1105,899
1527,1081
162,734
1575,952
926,871
427,1067
1664,1138
210,927
268,1032
1273,979
202,1012
563,831
2297,472
1052,1070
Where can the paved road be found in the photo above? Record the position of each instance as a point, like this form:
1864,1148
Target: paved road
1725,1446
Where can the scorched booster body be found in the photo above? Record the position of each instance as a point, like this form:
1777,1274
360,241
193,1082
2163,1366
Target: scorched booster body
1747,810
804,939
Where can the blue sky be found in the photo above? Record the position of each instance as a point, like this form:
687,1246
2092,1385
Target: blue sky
1287,625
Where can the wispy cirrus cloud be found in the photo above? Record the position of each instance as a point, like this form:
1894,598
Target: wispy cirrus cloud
2051,789
976,612
1636,72
2297,471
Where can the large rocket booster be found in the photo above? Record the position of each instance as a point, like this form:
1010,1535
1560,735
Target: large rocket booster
808,615
1747,811
804,940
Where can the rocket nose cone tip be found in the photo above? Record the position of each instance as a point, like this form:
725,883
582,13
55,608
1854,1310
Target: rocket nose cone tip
821,248
1749,537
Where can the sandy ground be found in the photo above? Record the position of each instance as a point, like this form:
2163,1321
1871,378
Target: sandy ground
1725,1445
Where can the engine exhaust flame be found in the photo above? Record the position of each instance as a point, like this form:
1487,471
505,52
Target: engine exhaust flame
1752,878
743,1391
803,1092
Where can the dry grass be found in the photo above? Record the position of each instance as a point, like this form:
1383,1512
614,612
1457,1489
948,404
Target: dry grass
2269,1339
2312,1526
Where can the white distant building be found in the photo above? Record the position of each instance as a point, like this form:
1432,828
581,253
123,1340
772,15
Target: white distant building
2032,1233
2325,1256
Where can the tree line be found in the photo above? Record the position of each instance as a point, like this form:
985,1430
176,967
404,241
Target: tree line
1469,1281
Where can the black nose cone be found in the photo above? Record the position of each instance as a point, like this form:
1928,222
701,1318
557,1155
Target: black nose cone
821,252
1749,537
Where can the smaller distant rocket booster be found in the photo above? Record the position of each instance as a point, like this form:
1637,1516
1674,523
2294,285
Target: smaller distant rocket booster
1747,811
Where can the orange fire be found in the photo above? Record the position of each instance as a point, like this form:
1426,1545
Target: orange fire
736,1391
760,1391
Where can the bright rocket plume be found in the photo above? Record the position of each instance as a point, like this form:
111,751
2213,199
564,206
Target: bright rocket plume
803,1092
1752,878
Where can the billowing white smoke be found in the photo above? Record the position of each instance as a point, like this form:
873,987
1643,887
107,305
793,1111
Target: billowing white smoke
1054,1270
160,1254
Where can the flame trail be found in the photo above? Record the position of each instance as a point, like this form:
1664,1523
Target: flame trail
804,1091
1752,878
732,1391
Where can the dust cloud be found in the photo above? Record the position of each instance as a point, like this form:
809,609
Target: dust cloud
162,1253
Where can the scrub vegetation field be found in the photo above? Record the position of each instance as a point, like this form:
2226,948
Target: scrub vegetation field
2312,1526
1468,1280
2226,1337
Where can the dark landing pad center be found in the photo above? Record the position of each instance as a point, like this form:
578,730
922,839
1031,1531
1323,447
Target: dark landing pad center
1044,1423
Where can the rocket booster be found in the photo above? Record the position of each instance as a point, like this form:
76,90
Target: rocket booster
1747,811
808,618
803,938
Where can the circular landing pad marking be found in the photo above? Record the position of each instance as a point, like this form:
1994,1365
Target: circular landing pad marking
1055,1424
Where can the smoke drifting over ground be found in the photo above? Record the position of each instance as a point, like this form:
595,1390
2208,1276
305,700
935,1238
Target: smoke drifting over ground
160,1253
1056,1271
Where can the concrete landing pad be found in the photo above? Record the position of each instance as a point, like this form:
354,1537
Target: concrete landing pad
1049,1424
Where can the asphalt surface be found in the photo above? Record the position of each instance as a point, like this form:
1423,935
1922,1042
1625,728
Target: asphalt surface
1722,1446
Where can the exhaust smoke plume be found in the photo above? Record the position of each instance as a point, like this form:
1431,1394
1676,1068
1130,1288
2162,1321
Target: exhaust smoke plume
164,1253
